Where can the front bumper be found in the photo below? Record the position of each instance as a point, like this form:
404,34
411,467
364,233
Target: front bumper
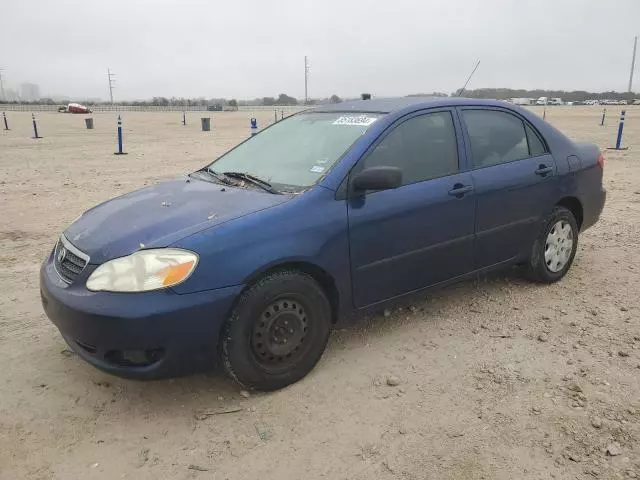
137,335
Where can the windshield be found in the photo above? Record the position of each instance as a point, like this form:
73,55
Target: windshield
296,152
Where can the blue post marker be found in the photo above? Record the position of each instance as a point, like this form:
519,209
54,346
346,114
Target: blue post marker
184,118
254,126
4,117
35,127
604,113
620,128
119,152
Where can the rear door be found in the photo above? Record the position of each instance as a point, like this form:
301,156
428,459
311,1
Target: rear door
514,176
420,233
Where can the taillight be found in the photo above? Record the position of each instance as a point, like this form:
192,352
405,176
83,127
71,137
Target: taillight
601,161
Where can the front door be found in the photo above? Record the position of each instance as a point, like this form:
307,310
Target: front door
420,233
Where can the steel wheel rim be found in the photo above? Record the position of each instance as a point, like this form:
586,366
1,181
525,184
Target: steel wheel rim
558,246
279,336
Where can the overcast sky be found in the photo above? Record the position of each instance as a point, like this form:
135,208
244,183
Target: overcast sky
255,48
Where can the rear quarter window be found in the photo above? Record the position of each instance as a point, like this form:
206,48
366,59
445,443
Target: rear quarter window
536,147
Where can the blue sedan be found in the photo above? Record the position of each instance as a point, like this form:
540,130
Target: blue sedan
249,262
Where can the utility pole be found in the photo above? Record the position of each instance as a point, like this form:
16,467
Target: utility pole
1,87
306,80
633,63
111,83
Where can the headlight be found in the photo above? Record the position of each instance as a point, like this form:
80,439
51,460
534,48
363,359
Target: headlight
143,271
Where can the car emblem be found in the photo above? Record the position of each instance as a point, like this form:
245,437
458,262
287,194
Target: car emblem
62,252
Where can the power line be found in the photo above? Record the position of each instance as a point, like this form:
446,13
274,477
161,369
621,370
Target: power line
306,80
111,84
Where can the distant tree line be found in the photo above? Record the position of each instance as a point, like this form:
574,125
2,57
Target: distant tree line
572,96
281,100
285,100
42,101
434,94
179,102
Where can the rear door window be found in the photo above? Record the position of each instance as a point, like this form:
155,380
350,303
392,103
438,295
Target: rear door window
498,137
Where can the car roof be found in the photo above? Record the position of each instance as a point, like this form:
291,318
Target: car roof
389,105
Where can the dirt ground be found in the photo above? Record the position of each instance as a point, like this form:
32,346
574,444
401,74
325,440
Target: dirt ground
499,378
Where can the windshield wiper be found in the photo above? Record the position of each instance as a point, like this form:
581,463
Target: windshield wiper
252,179
221,178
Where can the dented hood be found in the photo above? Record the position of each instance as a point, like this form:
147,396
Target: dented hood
160,215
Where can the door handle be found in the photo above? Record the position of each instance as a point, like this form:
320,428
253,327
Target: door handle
543,170
459,190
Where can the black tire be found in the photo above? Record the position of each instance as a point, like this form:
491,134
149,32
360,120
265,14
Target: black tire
251,347
538,269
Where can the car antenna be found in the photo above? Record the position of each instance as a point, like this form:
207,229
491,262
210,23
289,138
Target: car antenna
469,78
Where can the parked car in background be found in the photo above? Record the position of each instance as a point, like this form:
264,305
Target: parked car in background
522,101
74,108
328,214
613,102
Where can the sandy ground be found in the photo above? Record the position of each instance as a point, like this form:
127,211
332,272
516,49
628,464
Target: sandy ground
499,378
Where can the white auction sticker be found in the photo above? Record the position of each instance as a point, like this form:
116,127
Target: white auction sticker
359,120
317,169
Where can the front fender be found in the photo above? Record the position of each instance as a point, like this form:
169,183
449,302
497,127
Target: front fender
311,229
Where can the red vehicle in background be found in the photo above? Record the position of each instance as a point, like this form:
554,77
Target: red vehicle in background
74,108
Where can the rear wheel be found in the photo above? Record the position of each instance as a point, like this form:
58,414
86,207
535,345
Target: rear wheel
555,247
277,331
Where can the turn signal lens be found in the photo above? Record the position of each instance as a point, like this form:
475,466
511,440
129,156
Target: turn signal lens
176,274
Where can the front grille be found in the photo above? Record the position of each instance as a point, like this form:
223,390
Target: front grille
68,260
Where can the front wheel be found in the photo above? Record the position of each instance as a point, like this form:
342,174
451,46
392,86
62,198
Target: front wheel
277,331
555,247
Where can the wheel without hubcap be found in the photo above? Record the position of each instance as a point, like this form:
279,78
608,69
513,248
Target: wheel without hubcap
277,340
277,331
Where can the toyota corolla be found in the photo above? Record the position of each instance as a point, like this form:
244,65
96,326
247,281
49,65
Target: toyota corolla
249,262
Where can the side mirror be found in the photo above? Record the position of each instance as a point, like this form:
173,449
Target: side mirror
377,178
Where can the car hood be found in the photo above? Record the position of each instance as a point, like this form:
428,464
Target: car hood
160,215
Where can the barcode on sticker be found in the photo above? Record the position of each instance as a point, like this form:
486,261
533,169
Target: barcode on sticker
359,120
